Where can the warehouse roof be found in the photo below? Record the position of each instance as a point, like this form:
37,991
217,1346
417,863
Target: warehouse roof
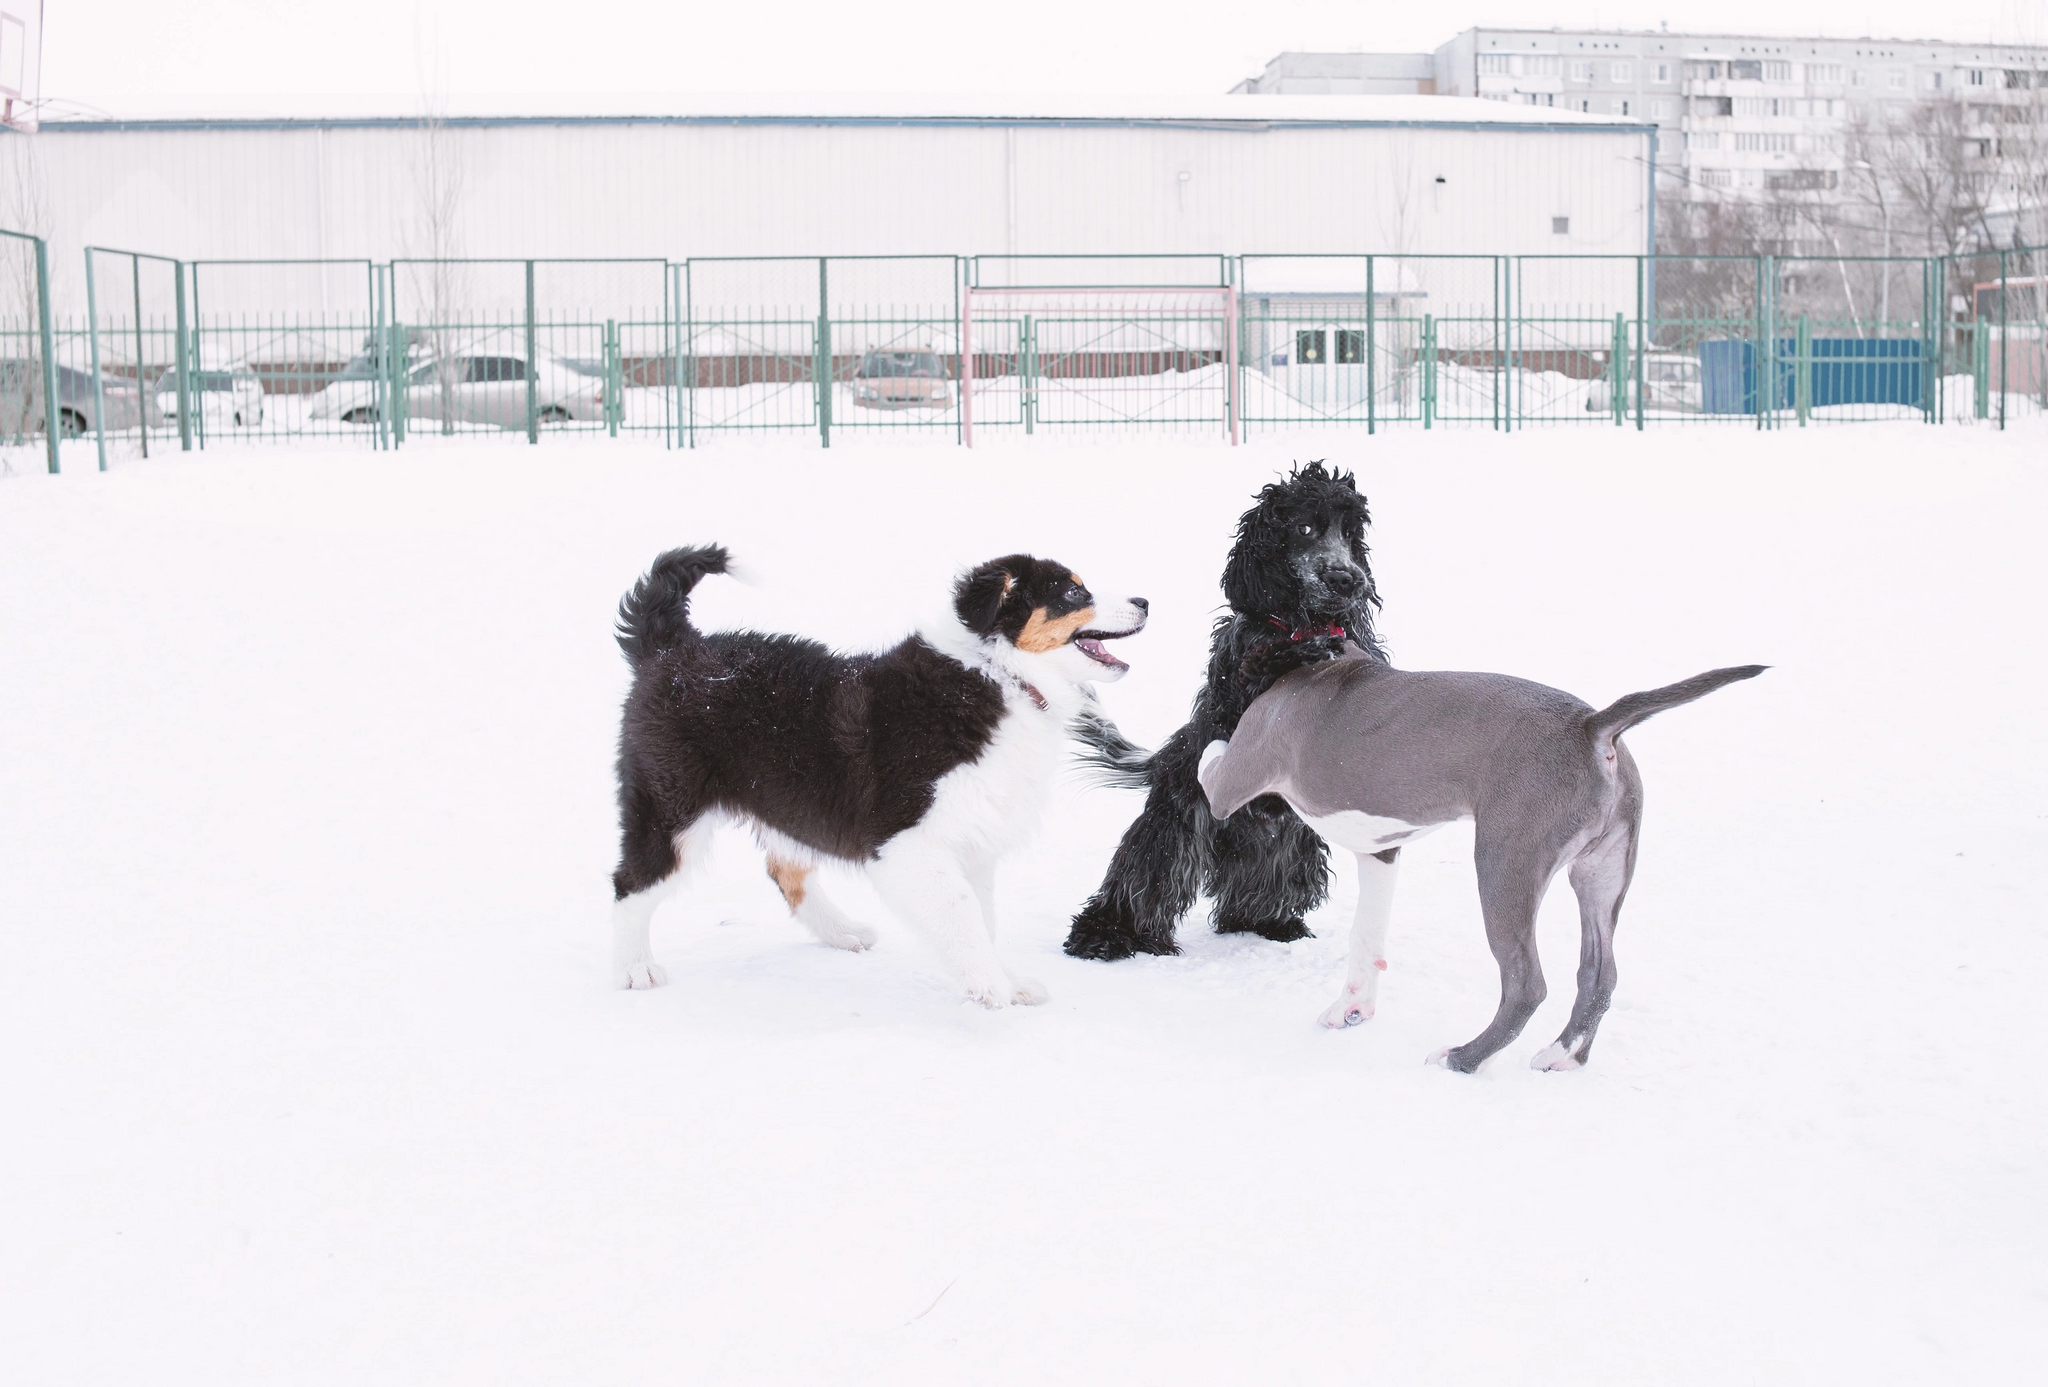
1224,112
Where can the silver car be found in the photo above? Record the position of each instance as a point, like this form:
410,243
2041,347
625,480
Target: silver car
475,389
21,394
1671,383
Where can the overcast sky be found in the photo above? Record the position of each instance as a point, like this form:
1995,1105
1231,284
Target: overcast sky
131,56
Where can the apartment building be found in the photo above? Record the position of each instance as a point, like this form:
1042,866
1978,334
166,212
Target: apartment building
1736,114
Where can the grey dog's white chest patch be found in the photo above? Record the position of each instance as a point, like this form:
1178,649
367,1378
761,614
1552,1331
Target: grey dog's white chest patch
1357,831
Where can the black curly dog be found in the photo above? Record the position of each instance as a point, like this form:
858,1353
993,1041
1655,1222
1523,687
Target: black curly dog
1299,585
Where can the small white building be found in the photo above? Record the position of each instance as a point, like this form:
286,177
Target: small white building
1230,175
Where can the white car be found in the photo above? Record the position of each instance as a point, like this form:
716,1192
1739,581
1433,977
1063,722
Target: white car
470,388
220,399
1671,383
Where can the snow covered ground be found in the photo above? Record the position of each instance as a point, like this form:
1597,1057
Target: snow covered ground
310,1072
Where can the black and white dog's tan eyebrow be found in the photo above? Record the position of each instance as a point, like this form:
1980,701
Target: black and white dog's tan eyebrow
924,763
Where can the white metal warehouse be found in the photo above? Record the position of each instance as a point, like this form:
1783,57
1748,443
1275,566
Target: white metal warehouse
1225,175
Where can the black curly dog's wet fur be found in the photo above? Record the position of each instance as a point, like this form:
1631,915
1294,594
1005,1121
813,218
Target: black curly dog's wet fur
1289,592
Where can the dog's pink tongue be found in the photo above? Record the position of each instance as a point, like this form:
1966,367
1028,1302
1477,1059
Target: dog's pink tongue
1094,651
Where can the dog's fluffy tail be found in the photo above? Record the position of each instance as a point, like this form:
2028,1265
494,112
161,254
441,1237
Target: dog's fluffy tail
1622,714
1113,760
655,615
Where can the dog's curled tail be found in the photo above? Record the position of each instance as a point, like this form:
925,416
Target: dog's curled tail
655,615
1625,712
1113,760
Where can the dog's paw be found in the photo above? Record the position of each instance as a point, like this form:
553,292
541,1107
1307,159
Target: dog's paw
1279,931
641,975
854,938
1454,1058
1350,1009
1556,1056
1027,993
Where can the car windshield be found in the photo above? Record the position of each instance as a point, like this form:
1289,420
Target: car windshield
921,364
580,366
362,367
213,381
1671,370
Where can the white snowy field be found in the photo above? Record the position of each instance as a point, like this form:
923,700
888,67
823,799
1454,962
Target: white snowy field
310,1071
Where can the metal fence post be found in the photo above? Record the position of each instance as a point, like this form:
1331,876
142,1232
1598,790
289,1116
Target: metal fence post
1802,371
614,378
1429,374
1644,269
1371,350
2004,380
178,349
92,332
532,367
823,370
141,353
53,417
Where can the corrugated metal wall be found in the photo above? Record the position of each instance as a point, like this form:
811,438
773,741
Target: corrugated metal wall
679,190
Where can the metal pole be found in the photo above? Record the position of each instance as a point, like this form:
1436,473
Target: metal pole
1230,367
99,394
823,369
2004,380
1644,268
967,367
184,379
141,399
1371,348
53,417
532,367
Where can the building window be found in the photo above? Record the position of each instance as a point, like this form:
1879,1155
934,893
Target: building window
1660,72
1975,76
1714,178
2018,80
1582,72
1350,346
1309,347
1934,81
1621,108
1585,104
1493,64
1713,105
1896,81
1824,72
1541,64
1621,72
1699,139
1859,78
1745,70
1660,110
1560,226
1754,143
1777,72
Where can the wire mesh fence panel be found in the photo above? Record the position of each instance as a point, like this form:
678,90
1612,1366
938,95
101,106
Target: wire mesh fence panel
1321,342
603,348
134,394
30,376
1999,338
892,341
1842,347
284,349
752,335
1574,328
1098,271
1700,350
1066,360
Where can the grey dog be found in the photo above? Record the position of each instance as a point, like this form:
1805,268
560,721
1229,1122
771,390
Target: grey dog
1373,757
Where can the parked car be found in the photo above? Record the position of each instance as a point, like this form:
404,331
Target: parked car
1671,382
472,389
233,397
21,383
901,380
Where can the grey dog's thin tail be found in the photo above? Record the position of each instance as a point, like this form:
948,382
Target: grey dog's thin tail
1625,712
655,615
1114,760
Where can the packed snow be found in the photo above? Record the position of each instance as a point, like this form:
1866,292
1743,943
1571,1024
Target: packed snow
312,1072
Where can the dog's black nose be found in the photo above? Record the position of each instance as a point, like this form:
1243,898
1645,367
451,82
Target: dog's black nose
1345,582
1141,604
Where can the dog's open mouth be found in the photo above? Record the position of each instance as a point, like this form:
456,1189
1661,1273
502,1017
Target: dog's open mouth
1089,643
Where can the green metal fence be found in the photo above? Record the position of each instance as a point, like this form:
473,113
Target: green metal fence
958,348
30,344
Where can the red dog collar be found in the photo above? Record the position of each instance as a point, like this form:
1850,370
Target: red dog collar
1305,633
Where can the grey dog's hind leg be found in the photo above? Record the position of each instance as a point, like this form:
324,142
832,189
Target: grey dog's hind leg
1511,886
1600,880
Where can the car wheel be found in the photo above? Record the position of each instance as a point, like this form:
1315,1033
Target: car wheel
70,424
554,414
361,414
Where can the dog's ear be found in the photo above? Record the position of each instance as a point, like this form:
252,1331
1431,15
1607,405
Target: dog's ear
978,596
1253,578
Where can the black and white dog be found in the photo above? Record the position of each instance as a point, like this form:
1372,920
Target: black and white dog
924,763
1300,588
